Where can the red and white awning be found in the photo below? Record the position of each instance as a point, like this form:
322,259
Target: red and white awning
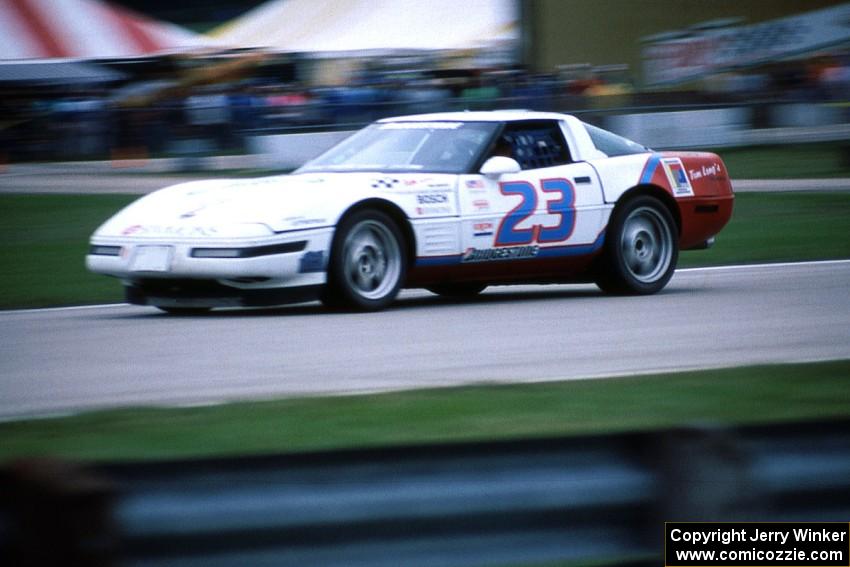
86,29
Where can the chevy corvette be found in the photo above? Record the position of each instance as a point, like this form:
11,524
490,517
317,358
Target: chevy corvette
451,202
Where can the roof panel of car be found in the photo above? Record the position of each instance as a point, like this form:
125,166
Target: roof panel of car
479,116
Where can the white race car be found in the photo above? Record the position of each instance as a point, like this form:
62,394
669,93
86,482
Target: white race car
450,202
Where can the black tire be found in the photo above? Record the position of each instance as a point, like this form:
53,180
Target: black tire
460,290
185,311
368,262
641,248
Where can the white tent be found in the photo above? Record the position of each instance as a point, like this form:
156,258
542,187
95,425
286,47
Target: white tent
367,25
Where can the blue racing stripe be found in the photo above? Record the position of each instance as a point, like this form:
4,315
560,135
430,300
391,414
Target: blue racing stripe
578,250
544,252
438,260
649,170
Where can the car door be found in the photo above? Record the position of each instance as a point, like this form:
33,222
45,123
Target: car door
553,207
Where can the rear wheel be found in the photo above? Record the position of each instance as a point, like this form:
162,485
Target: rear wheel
641,248
368,262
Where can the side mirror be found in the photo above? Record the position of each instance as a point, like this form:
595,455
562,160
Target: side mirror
499,165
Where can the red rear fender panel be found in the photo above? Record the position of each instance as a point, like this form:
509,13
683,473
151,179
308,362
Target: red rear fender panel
700,185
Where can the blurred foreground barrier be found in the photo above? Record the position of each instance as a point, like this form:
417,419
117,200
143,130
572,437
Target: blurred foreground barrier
584,499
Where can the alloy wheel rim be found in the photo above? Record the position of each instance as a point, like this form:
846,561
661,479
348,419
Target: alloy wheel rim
372,259
646,244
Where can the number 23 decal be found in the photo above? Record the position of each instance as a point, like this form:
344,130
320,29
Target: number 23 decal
562,206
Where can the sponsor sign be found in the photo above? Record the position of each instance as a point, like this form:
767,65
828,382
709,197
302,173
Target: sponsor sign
678,177
312,262
482,229
495,254
384,183
702,53
432,199
713,171
168,230
434,210
305,222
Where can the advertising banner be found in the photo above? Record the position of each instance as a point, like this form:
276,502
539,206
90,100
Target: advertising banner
699,53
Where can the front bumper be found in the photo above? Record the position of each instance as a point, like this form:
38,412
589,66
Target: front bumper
205,293
292,260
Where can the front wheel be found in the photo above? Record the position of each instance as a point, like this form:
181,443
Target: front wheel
368,262
641,248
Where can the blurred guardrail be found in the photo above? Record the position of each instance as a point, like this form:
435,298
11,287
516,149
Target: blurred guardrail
579,499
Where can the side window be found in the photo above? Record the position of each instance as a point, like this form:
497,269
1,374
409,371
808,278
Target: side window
611,144
537,144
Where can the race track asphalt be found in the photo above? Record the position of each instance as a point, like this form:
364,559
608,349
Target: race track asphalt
67,360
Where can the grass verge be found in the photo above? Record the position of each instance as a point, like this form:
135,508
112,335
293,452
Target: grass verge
791,161
780,227
728,396
43,243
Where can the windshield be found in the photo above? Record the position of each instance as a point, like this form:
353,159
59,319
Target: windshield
438,147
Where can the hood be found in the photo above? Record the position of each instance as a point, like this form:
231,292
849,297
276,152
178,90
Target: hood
257,207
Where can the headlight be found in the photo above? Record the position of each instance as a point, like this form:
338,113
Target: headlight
216,253
100,250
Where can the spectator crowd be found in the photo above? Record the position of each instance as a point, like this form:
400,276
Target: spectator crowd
97,123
